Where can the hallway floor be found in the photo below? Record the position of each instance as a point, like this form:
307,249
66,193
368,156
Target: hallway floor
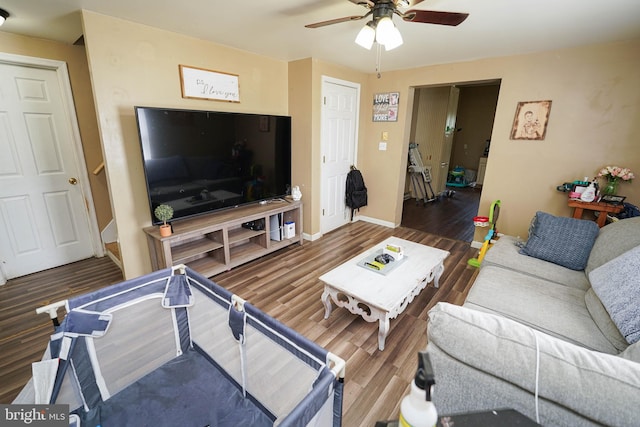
450,217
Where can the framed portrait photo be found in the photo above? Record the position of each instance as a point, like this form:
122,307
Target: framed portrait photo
530,122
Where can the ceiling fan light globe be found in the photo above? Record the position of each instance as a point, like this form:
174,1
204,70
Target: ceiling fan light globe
394,40
384,28
366,36
3,16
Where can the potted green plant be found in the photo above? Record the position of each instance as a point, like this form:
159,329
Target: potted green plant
164,213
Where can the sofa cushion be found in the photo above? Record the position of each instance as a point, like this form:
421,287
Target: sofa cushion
601,317
614,240
599,386
546,306
563,241
504,253
617,284
632,353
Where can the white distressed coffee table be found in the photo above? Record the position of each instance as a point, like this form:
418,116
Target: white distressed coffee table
379,297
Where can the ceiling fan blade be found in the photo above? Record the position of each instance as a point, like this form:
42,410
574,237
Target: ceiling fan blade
365,3
335,21
435,17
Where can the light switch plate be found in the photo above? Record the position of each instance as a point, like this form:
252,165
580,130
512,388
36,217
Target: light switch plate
385,136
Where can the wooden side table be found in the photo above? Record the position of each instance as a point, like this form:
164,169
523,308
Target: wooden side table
604,208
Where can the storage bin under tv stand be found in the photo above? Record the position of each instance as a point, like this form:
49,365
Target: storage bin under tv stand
217,242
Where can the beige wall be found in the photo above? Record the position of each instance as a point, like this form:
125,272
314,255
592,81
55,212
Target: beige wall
133,64
594,119
305,107
594,122
385,171
76,60
301,111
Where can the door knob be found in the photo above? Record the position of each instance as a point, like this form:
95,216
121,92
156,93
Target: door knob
73,181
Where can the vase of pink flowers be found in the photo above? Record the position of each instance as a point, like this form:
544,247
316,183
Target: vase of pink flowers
613,175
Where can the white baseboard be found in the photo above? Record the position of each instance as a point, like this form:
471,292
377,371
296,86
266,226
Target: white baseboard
375,221
311,237
316,236
115,260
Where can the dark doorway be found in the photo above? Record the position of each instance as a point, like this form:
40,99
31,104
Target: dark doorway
451,215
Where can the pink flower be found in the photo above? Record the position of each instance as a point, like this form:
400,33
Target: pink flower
616,172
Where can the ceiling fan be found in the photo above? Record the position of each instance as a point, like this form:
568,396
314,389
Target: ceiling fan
381,29
386,8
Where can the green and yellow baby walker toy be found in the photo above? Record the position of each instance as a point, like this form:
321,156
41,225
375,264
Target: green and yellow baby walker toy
494,212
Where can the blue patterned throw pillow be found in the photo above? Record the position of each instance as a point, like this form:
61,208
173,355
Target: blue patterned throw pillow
563,241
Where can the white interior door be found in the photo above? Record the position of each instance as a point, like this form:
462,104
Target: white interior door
339,135
44,221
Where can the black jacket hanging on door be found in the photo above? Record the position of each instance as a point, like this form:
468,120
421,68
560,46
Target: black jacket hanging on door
356,191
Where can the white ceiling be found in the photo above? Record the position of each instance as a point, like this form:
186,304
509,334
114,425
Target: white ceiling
275,28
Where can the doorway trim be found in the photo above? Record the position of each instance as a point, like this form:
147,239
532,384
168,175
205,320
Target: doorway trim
410,125
62,73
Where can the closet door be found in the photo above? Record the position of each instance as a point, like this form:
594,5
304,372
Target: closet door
44,221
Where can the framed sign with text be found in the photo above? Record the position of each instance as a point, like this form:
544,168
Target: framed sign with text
207,84
385,107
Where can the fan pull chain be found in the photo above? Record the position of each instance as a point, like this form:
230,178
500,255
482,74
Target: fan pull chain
379,59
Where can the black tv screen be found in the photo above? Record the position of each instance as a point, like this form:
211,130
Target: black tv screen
201,161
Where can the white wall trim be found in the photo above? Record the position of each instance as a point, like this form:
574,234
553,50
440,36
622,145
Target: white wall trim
312,237
376,221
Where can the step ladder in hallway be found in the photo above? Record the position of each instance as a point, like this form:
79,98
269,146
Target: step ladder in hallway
420,176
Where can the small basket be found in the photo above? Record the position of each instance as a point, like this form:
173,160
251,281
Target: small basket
481,221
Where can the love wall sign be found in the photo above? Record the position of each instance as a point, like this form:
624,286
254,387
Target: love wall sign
207,84
385,107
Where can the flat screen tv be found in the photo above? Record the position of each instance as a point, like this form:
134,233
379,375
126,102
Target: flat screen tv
201,161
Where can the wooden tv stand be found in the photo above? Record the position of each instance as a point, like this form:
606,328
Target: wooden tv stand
217,242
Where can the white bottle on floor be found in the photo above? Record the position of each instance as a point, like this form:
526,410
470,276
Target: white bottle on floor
417,409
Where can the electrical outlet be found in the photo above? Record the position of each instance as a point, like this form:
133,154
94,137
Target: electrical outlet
382,146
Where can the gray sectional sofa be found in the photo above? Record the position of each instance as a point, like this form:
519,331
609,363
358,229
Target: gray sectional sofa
561,345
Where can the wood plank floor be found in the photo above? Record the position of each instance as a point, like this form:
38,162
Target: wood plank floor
23,333
285,285
450,217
